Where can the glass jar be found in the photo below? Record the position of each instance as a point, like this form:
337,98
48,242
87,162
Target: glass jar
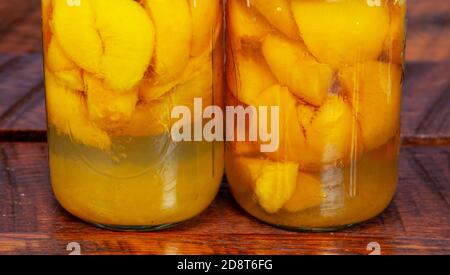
334,71
114,71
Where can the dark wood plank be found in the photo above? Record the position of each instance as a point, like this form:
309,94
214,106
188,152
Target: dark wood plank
428,31
22,92
31,221
20,26
426,103
227,244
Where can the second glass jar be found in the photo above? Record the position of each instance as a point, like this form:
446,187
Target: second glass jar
334,69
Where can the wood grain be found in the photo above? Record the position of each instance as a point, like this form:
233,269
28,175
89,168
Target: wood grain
31,221
22,107
428,31
426,103
20,26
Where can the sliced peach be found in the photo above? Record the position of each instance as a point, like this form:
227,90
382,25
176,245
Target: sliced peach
173,26
276,185
149,119
199,85
247,77
218,62
245,25
342,32
278,13
127,44
375,90
75,30
112,39
294,67
154,117
313,137
332,133
107,108
246,148
150,90
64,69
291,139
67,112
205,15
308,193
250,169
273,182
241,148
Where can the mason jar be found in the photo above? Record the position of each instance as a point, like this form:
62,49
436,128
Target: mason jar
333,70
114,72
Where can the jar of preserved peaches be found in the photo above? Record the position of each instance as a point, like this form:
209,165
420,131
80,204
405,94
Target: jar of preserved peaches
334,69
114,70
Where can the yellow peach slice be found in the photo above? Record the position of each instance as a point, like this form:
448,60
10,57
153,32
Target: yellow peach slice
246,148
205,15
332,133
313,137
342,32
275,185
250,169
64,69
291,139
112,39
272,182
375,90
199,85
293,66
127,44
75,29
107,108
275,44
218,62
231,74
278,13
173,26
241,148
308,193
67,112
150,90
154,118
245,25
248,77
149,119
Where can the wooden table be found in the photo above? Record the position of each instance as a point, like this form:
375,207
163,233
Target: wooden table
417,221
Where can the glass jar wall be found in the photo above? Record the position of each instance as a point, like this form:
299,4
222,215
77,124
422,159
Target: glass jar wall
334,69
114,70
